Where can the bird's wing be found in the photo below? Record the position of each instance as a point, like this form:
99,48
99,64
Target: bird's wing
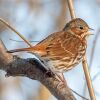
65,45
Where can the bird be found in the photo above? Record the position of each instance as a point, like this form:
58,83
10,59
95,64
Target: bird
61,51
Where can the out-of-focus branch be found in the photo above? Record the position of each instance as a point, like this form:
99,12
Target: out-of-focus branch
31,68
4,58
60,20
44,94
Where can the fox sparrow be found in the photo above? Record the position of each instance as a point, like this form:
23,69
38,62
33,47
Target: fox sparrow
62,50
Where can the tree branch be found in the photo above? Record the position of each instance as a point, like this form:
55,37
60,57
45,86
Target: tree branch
31,68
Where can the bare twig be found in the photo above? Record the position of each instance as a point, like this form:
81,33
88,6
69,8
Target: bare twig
84,62
88,78
31,68
13,29
92,56
21,41
71,9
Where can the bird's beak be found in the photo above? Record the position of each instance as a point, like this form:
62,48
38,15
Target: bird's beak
89,33
91,29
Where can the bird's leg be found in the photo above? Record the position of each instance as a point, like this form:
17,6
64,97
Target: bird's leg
61,79
62,84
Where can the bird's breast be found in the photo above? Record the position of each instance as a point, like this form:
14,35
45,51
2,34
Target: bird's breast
68,62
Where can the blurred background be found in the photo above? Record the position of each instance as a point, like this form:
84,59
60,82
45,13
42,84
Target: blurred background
36,19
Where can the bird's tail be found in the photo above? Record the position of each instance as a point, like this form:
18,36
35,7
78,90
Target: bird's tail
22,49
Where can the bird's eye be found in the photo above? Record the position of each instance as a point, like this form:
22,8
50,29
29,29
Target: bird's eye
81,27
